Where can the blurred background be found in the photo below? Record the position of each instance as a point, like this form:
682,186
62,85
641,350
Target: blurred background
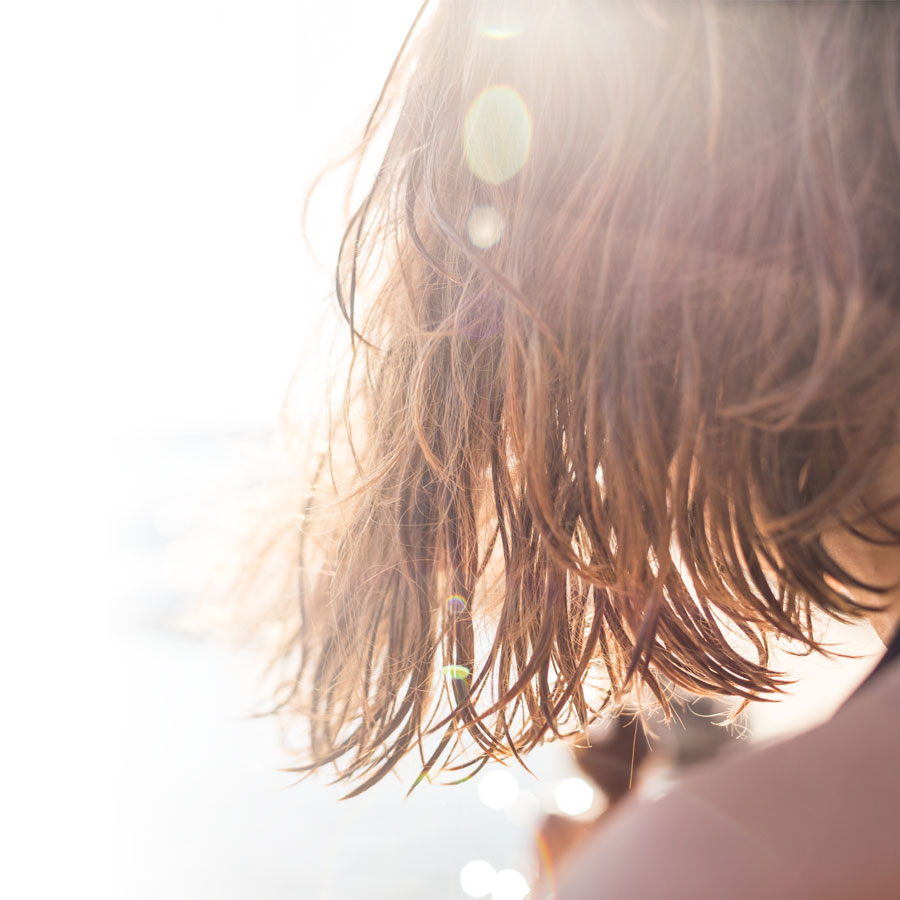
158,298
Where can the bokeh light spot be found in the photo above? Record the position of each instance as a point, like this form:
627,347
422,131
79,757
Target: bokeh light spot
574,796
497,134
457,671
510,885
484,226
477,878
498,789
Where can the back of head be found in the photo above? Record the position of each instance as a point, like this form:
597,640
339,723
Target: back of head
626,301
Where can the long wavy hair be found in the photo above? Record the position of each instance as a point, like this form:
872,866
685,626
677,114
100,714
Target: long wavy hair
624,303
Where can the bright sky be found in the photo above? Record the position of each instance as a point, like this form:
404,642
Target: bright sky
153,279
153,194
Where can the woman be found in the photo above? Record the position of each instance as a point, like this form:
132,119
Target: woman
625,407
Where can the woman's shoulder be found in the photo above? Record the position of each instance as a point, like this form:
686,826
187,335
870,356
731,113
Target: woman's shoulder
817,816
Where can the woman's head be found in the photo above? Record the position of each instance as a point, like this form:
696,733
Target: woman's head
627,324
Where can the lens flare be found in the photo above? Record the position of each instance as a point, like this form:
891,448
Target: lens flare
456,603
482,319
484,226
497,134
501,21
477,878
456,671
547,865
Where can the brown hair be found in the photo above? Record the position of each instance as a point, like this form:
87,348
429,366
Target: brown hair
624,304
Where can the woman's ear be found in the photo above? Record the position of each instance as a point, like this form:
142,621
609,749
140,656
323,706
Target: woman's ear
869,550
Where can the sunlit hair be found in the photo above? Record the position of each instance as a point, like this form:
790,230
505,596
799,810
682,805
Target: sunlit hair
625,304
